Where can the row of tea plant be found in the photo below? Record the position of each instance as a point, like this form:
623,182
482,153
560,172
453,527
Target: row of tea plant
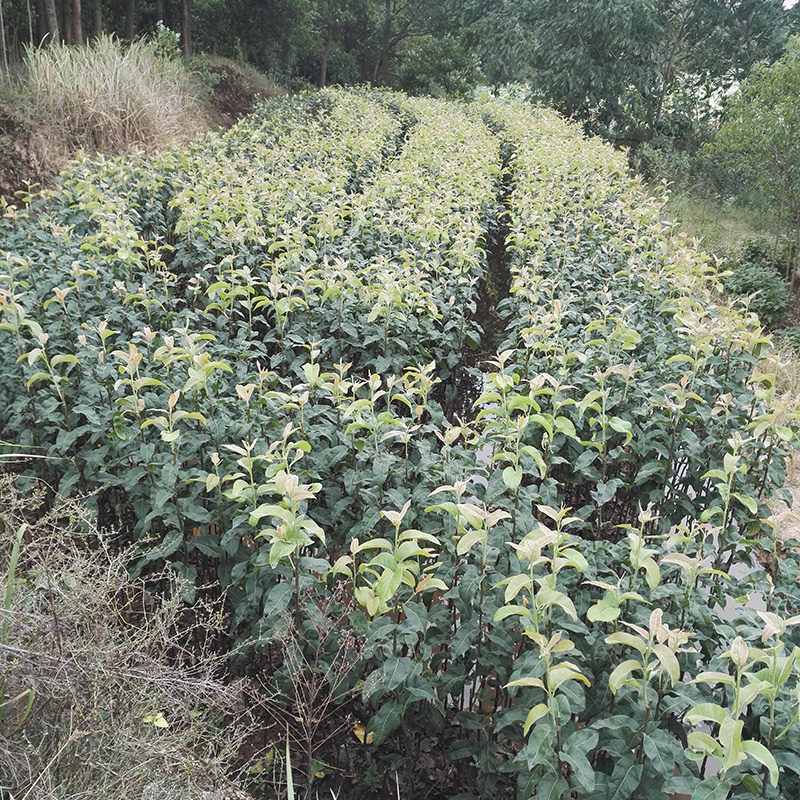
241,352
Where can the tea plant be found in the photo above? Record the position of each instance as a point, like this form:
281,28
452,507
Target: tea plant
246,353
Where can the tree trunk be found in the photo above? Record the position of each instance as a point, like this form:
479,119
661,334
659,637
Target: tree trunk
30,22
323,59
77,25
160,11
778,236
382,62
130,19
3,53
186,27
66,19
51,22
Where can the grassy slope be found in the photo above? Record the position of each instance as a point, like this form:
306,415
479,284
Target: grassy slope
50,110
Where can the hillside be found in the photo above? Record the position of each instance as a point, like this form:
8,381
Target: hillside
435,402
108,98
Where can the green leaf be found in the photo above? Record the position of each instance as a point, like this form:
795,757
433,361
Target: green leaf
384,722
507,611
706,744
707,712
468,540
760,753
624,780
584,774
536,713
668,661
512,477
551,787
750,503
168,545
620,637
462,640
603,611
659,754
395,671
65,358
156,720
539,748
712,788
604,492
715,677
651,572
514,585
622,674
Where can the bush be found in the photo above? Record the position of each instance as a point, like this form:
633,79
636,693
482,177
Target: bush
790,338
754,276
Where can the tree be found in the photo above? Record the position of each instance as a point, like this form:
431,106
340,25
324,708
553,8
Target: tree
186,27
760,134
400,20
615,64
51,21
130,19
77,26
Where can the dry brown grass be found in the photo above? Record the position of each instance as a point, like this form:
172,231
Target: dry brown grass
109,97
88,662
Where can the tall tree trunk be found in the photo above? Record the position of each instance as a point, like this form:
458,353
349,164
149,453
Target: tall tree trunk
381,70
186,27
130,19
66,19
323,59
160,11
3,53
97,22
77,25
30,22
51,21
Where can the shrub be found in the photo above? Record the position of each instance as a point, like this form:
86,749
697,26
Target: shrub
754,276
790,338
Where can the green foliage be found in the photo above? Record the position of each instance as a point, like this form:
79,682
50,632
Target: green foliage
791,338
628,70
761,130
254,380
754,276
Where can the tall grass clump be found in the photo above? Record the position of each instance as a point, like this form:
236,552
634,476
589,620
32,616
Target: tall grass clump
110,96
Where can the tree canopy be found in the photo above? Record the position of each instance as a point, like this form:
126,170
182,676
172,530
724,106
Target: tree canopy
760,133
613,65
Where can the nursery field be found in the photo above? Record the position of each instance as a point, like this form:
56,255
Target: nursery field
455,420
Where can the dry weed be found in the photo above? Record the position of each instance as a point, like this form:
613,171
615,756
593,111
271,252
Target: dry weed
108,97
107,689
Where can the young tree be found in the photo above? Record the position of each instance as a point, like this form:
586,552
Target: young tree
760,134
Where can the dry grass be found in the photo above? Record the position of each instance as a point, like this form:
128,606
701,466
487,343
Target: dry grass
89,659
109,97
